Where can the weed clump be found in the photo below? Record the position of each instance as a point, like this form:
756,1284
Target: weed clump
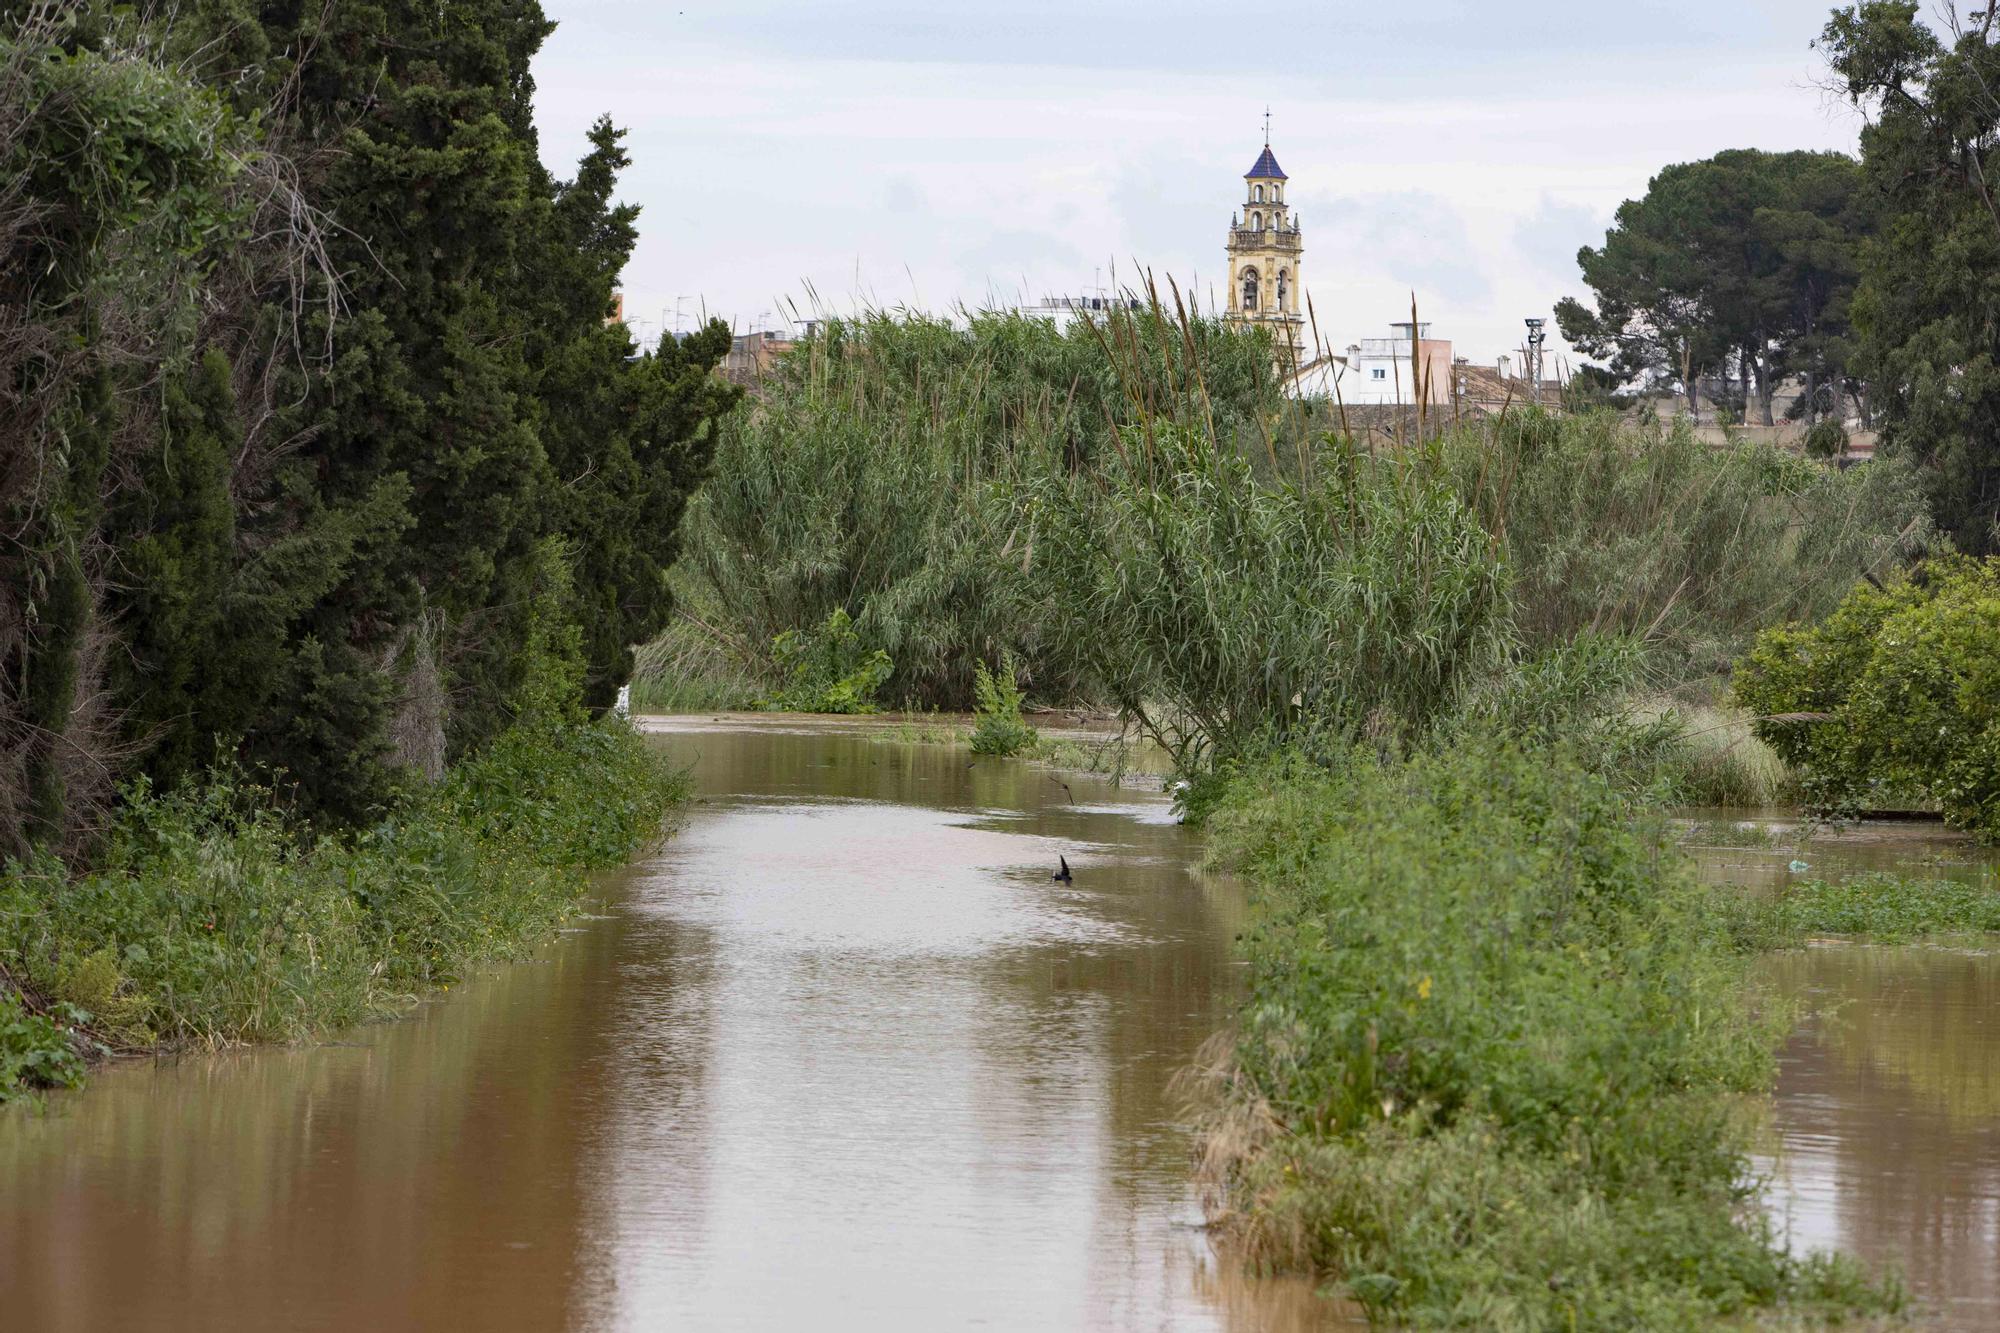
36,1051
1491,1069
999,729
828,669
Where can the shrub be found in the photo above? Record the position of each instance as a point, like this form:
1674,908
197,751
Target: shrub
1898,691
1826,439
828,670
35,1051
1490,1066
997,706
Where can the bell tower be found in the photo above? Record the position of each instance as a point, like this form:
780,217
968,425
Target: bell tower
1264,259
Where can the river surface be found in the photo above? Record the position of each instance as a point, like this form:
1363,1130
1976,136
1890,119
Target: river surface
1887,1116
840,1056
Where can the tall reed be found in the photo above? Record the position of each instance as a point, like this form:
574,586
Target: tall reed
864,479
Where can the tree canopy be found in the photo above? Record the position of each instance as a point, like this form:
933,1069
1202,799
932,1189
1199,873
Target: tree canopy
1928,310
1743,263
306,374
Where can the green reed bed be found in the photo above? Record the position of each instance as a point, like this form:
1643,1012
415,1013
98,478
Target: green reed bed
1877,908
210,920
1497,1065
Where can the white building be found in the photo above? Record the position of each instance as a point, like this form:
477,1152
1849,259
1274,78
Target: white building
1063,311
1380,371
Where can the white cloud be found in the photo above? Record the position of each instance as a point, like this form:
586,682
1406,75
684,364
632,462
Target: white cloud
882,172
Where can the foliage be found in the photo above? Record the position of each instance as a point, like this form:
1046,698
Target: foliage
213,920
1490,1066
865,478
828,669
1826,439
1930,289
1746,256
997,707
1898,689
35,1051
115,195
1230,616
305,360
1613,527
1884,909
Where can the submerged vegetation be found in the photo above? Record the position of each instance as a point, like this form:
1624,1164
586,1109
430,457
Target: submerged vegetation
1491,1064
211,919
999,728
1879,908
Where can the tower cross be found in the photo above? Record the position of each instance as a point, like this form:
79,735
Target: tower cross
1267,126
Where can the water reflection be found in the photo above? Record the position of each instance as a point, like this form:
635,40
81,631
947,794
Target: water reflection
842,1055
1759,851
1887,1112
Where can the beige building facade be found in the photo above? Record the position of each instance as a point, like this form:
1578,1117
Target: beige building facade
1265,258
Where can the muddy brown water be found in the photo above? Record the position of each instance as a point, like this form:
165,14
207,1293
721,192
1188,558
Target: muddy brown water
1886,1122
841,1055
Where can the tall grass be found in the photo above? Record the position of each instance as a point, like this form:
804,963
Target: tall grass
1616,526
1230,616
1133,511
863,480
211,920
1489,1072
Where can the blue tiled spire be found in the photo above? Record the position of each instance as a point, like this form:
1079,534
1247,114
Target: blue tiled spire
1267,168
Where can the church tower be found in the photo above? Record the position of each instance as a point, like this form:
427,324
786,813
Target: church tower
1264,259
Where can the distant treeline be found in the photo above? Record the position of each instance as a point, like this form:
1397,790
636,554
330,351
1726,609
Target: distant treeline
1870,281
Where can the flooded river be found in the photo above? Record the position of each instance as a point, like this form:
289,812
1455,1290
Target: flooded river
841,1055
1887,1117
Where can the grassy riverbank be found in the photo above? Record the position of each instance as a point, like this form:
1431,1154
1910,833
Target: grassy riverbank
1498,1064
210,920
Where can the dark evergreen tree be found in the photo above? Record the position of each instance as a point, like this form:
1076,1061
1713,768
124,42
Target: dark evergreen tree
362,386
1929,306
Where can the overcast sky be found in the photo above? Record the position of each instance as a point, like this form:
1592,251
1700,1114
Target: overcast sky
895,152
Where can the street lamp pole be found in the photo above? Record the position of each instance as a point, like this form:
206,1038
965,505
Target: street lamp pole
1536,336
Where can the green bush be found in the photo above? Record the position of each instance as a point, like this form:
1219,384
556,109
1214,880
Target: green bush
1826,439
828,669
211,920
1490,1067
997,707
35,1051
1898,691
